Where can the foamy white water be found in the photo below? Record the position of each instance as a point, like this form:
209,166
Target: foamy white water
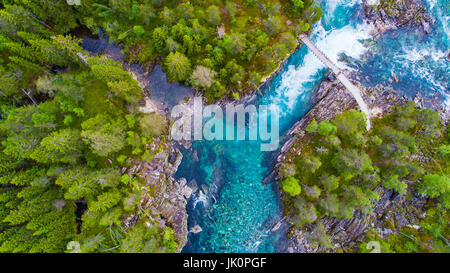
345,40
201,197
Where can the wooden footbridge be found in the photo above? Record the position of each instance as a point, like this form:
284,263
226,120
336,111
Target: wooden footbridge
354,91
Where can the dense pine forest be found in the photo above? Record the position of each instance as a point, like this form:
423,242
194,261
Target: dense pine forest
342,169
223,48
69,122
71,128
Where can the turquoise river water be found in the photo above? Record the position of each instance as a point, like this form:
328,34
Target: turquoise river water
238,203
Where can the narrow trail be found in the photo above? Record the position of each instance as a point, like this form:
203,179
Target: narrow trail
356,93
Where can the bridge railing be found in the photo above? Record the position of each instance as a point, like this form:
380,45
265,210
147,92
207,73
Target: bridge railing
351,88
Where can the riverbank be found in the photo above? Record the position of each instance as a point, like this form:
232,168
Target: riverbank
331,98
165,197
391,15
264,84
391,212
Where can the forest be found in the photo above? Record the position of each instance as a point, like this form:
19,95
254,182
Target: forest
70,125
69,122
221,48
341,166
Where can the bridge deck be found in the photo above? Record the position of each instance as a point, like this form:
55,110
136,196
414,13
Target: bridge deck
356,93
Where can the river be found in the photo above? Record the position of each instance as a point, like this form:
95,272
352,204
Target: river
238,202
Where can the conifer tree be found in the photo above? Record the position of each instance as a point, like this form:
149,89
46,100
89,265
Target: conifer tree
178,67
104,136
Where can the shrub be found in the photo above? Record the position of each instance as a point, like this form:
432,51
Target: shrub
291,186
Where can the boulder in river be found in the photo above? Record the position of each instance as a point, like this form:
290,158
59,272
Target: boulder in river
196,229
193,185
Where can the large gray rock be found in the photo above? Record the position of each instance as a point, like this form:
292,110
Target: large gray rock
148,107
196,229
193,185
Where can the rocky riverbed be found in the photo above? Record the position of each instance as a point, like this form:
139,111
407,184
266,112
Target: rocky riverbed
389,15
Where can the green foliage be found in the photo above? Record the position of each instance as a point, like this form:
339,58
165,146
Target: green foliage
309,164
444,150
46,11
286,170
430,238
202,77
392,182
325,128
329,182
208,34
34,217
104,135
61,146
319,237
138,30
298,4
350,125
350,162
153,125
68,126
291,186
178,67
434,185
272,25
142,239
312,127
213,15
69,45
127,89
341,164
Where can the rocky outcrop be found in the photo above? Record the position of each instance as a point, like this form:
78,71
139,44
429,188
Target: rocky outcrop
389,15
331,98
434,102
165,198
391,213
147,106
